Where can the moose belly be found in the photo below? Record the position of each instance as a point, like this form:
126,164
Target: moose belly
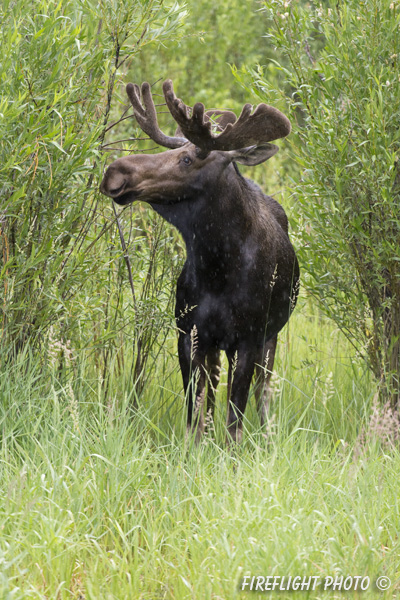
223,323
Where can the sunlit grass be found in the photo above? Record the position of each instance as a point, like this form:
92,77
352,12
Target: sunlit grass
100,502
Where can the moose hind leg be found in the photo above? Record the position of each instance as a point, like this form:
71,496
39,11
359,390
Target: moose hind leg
264,366
194,380
241,368
213,364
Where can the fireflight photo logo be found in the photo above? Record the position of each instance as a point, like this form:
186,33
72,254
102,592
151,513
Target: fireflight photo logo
299,583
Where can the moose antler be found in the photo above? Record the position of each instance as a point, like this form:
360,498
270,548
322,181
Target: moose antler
264,125
146,116
218,119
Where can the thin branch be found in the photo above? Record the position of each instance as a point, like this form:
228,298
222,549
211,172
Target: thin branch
121,119
155,83
308,52
136,46
127,149
143,139
104,229
29,86
126,257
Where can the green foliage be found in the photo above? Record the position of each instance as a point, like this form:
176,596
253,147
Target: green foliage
59,66
339,66
98,501
215,35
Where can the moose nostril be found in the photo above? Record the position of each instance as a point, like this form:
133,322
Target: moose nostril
116,191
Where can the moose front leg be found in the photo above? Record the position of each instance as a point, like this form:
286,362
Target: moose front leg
193,370
241,368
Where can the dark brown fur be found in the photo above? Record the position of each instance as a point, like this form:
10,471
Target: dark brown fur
240,279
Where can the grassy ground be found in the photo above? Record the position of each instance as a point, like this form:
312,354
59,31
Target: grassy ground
98,503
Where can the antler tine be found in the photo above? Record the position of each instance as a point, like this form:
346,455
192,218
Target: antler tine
147,116
133,91
197,128
264,125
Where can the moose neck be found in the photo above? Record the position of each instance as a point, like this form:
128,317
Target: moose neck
213,224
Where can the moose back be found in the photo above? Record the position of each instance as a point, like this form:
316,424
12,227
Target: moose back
239,283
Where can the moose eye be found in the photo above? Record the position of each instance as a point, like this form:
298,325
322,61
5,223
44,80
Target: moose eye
186,160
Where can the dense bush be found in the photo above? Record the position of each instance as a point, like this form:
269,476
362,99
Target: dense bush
339,64
60,281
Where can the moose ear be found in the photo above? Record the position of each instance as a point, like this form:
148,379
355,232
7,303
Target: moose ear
254,155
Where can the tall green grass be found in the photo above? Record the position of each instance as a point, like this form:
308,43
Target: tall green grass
101,502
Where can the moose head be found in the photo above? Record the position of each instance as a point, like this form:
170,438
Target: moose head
240,280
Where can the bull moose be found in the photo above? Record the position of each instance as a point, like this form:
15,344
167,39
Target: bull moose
239,283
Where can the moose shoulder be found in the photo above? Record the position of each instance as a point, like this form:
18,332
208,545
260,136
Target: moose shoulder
240,280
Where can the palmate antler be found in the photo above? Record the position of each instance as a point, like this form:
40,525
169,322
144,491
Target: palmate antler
264,125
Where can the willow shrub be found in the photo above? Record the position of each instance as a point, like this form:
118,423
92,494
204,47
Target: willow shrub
61,276
339,67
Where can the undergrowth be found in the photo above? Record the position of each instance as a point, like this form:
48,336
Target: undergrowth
99,500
